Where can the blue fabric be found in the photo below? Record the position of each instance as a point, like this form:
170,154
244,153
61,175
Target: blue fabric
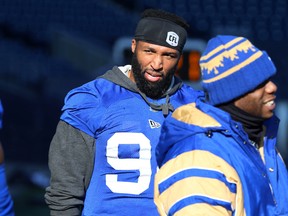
6,202
196,173
265,186
126,131
1,115
195,200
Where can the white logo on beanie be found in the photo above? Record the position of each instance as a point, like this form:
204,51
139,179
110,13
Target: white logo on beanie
172,38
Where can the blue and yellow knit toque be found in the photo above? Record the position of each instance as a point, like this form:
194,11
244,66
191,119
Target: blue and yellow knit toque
231,67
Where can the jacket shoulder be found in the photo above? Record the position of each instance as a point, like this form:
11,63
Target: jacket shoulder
190,114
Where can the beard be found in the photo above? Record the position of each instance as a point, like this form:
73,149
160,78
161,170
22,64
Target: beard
153,90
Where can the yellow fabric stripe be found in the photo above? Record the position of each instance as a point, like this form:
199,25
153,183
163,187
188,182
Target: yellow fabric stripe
191,115
202,209
221,47
195,185
235,68
261,152
261,145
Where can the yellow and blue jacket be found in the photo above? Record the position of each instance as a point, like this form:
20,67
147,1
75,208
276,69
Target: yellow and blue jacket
209,167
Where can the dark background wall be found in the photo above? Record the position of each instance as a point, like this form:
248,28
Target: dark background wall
48,47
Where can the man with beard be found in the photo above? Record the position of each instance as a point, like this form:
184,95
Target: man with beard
102,157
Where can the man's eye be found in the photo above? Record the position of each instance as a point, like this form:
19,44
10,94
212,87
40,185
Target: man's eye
147,51
171,56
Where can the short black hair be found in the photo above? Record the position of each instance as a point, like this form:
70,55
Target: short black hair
158,13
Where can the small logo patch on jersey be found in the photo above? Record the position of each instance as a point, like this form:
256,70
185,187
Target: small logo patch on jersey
154,124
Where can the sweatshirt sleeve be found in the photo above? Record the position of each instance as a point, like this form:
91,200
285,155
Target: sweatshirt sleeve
71,159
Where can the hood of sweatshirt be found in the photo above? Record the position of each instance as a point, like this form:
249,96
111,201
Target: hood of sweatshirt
118,77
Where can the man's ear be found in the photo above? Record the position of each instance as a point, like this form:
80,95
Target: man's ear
133,45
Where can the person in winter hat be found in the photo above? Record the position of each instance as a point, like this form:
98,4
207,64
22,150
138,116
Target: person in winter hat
219,157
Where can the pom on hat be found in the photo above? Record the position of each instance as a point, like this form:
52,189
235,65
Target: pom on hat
231,67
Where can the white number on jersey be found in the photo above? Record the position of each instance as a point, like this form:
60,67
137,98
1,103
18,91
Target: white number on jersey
142,163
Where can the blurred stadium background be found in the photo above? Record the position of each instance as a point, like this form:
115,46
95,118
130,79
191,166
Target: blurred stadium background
48,47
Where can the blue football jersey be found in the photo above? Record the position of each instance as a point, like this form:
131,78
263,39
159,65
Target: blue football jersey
126,131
